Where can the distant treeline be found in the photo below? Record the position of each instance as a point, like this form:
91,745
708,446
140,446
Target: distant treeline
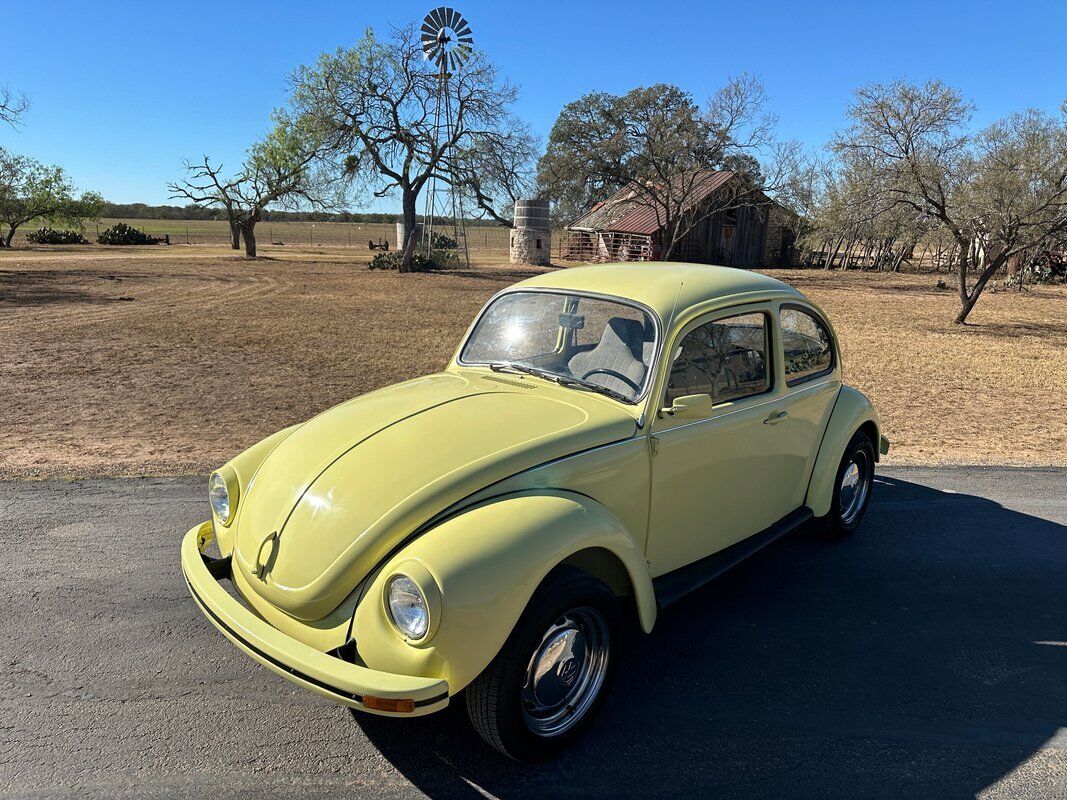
143,211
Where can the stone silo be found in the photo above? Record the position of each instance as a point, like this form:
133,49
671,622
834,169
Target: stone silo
531,238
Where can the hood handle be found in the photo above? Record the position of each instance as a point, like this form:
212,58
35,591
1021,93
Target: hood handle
261,565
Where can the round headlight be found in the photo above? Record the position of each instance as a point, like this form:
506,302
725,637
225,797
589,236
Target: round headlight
407,607
219,496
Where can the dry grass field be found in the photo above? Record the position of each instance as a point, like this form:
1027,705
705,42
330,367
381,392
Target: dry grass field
169,360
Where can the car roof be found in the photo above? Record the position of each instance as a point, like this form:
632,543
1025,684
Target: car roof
659,284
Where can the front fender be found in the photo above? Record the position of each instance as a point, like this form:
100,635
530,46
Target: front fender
851,411
244,466
486,563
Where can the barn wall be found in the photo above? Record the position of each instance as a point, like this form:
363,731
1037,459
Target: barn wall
706,243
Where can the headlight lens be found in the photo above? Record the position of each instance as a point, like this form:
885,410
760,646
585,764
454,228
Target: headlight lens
407,607
219,496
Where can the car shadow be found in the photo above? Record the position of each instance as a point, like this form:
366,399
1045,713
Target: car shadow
924,656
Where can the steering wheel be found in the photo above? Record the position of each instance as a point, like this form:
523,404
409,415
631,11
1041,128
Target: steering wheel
613,374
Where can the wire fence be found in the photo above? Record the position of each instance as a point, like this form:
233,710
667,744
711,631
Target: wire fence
366,236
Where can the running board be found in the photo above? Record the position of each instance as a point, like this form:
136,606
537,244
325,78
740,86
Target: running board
675,585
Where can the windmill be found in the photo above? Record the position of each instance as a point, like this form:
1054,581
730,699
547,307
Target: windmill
448,42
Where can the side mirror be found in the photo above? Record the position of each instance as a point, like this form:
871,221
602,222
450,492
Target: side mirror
692,406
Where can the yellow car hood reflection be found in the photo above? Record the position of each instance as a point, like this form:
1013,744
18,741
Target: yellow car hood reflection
345,488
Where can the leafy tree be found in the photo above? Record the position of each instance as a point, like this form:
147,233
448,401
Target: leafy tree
374,103
999,193
658,142
31,190
280,168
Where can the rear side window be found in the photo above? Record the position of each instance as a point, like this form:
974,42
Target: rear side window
809,351
726,358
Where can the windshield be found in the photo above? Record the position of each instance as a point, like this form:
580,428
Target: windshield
577,340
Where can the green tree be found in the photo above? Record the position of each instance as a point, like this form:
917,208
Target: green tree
659,143
374,106
30,190
280,168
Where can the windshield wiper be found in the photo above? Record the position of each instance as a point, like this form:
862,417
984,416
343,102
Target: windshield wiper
505,366
593,387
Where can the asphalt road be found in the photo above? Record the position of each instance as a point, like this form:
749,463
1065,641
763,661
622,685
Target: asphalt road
924,657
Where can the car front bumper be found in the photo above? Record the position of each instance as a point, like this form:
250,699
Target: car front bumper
343,682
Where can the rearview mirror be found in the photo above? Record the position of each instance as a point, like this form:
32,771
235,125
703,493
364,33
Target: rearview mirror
692,406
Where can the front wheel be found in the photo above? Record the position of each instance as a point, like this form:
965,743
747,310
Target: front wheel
852,487
542,690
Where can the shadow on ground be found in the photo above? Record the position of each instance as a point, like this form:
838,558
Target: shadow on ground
922,657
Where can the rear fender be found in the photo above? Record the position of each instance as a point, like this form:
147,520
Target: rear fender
486,563
852,411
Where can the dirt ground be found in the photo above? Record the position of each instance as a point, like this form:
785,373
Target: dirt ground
169,361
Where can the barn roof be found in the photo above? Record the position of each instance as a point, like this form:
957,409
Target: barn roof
625,212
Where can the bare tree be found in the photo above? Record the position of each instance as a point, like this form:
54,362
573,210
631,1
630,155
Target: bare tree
999,193
662,146
374,103
30,190
12,106
281,168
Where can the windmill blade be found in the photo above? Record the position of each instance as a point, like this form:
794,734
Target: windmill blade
428,30
464,29
439,17
453,18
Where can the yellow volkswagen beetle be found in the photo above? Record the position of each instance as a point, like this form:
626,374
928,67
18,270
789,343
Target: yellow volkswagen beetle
605,439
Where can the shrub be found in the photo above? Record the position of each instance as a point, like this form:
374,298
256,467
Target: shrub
125,234
420,262
52,236
442,242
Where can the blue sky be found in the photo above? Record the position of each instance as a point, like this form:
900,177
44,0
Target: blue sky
120,96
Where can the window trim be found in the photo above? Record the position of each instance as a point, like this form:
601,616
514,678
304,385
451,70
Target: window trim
821,321
769,356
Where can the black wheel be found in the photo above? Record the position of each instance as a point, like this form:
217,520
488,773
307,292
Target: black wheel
852,488
544,687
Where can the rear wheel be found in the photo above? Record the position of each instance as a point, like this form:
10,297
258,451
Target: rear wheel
543,689
852,487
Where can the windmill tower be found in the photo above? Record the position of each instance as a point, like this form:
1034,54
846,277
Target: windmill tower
448,42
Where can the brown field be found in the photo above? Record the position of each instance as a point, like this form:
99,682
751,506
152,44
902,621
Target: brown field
169,360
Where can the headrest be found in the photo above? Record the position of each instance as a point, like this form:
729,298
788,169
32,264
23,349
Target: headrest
627,332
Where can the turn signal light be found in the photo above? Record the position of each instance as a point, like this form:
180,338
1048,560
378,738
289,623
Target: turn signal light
405,706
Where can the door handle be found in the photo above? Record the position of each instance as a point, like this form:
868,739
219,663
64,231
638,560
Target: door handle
774,419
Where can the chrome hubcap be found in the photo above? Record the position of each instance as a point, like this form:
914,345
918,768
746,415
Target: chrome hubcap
566,672
855,485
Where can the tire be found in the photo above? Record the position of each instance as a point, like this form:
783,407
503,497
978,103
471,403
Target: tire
850,499
528,719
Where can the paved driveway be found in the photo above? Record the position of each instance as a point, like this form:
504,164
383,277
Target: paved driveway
924,657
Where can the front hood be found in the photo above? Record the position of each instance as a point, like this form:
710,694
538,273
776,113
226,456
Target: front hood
346,487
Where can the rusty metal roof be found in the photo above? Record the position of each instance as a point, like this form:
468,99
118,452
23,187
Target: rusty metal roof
626,212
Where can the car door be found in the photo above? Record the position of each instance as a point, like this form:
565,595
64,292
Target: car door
812,381
719,478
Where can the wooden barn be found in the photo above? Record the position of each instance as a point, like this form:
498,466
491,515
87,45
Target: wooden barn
626,228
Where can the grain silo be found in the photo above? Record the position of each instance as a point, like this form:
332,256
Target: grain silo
531,238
